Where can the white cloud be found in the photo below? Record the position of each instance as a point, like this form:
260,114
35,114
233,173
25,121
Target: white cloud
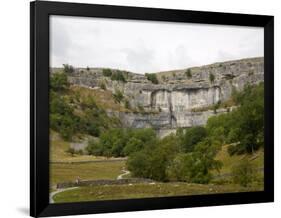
145,46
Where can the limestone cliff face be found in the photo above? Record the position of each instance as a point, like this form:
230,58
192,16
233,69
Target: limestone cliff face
172,103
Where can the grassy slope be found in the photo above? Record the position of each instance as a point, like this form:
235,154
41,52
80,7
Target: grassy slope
63,172
85,171
112,192
103,98
58,151
229,161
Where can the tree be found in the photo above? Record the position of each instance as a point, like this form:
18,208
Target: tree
188,73
191,137
133,145
94,148
107,72
152,77
118,76
211,77
155,156
68,69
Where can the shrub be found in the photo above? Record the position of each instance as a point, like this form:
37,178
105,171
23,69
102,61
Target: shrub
68,69
191,137
88,68
132,146
244,173
118,96
71,151
152,77
118,76
188,73
94,148
58,82
107,72
127,104
211,77
103,86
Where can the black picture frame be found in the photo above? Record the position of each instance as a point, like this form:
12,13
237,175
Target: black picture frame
39,107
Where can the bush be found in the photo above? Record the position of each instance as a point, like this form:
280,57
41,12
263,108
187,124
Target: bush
118,76
152,77
118,96
107,72
211,77
244,173
127,104
133,145
188,73
71,151
68,69
103,86
155,156
191,137
94,148
58,82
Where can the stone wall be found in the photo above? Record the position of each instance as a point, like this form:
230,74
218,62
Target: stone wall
103,182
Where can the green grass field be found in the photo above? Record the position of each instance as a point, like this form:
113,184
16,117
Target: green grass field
65,168
85,171
111,192
229,161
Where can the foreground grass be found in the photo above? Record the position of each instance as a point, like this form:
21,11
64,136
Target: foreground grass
112,192
65,172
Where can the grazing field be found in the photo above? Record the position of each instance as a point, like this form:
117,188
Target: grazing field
65,172
111,192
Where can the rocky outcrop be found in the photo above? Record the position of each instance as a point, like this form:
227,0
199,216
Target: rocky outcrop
172,103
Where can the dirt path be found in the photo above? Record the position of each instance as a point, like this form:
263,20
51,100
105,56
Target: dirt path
125,172
52,194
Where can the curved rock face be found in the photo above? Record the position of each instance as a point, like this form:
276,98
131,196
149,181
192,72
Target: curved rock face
172,103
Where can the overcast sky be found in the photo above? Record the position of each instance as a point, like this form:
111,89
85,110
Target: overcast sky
142,46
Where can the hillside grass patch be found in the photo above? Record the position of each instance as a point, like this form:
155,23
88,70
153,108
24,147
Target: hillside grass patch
113,192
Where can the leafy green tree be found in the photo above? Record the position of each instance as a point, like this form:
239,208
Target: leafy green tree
152,77
156,155
107,72
211,77
133,145
94,148
188,73
68,69
192,136
119,76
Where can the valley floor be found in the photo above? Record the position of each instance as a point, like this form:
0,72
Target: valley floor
131,191
67,168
